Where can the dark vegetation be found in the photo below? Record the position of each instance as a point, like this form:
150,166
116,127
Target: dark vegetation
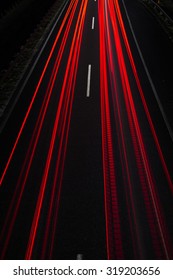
163,12
7,4
18,19
167,6
23,29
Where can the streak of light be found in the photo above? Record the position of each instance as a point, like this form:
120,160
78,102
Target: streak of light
116,3
110,39
67,93
65,96
148,75
139,143
72,67
122,147
36,92
16,200
113,228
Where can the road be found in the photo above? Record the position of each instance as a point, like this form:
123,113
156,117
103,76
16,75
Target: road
86,151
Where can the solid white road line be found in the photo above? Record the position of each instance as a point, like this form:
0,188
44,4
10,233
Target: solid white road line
88,81
93,21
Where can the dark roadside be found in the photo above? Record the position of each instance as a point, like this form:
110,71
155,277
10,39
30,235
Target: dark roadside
23,28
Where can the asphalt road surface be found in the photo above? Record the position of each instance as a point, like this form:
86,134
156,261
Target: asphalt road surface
86,151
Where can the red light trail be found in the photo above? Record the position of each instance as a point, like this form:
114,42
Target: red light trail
133,208
60,129
110,17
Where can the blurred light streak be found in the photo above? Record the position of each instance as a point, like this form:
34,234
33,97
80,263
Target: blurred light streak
113,229
135,236
119,16
141,154
69,89
67,94
16,200
109,18
36,91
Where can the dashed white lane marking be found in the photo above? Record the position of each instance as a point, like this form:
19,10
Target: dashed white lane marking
93,22
88,81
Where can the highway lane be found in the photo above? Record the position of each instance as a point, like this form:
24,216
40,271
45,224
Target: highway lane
82,195
155,50
135,143
84,171
63,79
